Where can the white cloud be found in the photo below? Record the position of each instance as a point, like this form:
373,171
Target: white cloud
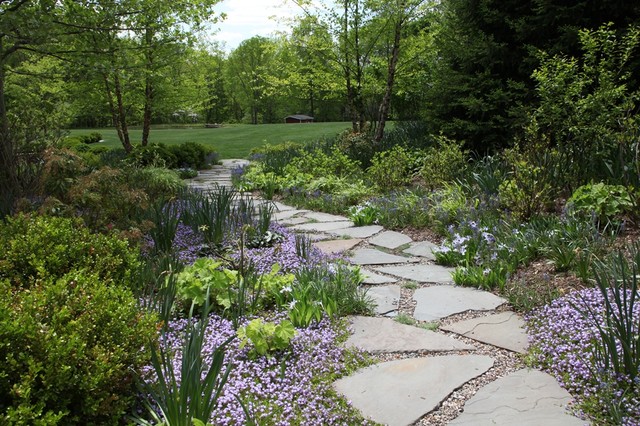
248,18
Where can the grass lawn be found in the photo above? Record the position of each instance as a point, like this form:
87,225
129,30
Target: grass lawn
231,140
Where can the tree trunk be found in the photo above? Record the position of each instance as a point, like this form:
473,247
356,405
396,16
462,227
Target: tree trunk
391,74
122,118
148,88
112,107
9,184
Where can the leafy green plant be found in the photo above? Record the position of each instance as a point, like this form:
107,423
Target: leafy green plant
391,169
405,319
364,214
481,277
527,189
70,346
191,154
39,248
443,162
606,202
156,182
209,214
203,280
165,217
266,337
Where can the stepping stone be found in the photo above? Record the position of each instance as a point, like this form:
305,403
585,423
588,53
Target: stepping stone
359,231
379,335
286,214
337,246
422,249
373,278
325,217
386,298
398,393
390,239
420,273
283,207
504,330
322,226
525,397
375,257
436,302
293,221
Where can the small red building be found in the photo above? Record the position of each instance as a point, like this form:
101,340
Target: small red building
298,118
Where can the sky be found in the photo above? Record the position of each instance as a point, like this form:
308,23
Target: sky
248,18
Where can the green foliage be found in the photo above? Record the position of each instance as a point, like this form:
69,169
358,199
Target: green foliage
333,291
364,214
402,209
106,199
62,168
359,146
154,155
494,277
443,162
37,249
391,169
70,346
274,158
319,164
187,173
157,182
191,154
205,281
191,397
209,213
527,189
606,202
449,204
584,105
266,337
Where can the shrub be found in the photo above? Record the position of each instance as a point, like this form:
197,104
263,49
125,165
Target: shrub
391,169
156,155
527,189
443,162
93,137
69,348
156,182
274,158
38,249
61,169
320,164
606,202
359,147
191,154
105,198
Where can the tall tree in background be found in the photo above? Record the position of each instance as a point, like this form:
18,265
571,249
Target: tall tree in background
248,67
480,86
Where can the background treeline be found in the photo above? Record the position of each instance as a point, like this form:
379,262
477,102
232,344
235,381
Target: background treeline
465,68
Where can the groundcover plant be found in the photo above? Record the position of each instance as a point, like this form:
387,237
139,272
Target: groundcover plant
288,387
564,336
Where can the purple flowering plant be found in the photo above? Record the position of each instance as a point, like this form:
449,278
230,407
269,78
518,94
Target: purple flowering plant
590,341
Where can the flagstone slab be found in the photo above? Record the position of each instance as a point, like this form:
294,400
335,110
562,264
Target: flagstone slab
297,220
390,239
380,335
283,207
375,257
286,214
359,231
420,273
325,217
505,330
398,393
337,246
323,226
440,301
422,249
373,278
523,398
386,298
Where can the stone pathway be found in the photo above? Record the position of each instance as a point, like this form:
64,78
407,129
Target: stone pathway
424,370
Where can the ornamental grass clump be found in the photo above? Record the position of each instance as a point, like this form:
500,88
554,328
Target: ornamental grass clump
590,341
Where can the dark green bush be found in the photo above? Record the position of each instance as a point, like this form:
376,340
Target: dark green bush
69,350
191,154
275,157
156,155
38,249
156,182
